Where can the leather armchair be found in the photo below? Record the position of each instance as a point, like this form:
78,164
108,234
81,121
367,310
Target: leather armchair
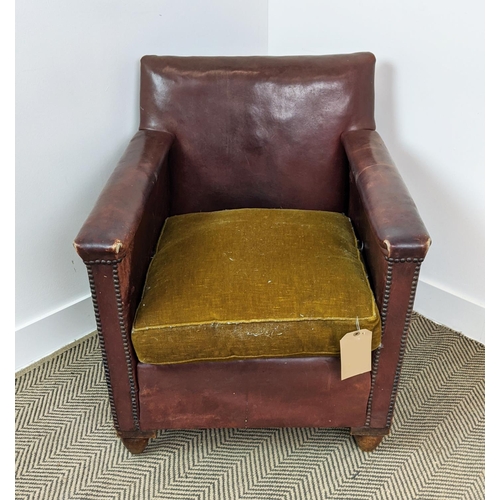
225,133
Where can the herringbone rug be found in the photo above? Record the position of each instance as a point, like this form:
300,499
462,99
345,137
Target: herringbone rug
66,448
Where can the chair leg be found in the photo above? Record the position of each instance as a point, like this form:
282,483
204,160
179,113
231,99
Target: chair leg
135,445
136,441
368,443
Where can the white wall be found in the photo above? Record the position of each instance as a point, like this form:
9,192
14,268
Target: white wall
77,74
430,112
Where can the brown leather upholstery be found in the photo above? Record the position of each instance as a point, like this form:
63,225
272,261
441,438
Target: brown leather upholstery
257,131
400,233
241,132
129,198
252,393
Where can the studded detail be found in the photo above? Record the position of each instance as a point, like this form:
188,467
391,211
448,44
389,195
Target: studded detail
126,344
383,315
408,259
101,343
402,347
107,262
126,347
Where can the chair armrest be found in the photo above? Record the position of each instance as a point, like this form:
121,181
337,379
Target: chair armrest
388,206
395,243
108,233
116,243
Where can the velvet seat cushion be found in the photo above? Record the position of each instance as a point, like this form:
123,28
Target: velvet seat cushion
253,283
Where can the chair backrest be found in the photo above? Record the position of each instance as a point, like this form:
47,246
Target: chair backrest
257,131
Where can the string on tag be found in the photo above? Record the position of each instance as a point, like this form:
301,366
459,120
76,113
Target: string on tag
357,326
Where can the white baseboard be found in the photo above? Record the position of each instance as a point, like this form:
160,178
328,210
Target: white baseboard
451,310
56,330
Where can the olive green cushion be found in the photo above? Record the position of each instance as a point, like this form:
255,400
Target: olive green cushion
253,283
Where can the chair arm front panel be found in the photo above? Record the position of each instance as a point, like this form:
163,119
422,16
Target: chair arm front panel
395,242
131,210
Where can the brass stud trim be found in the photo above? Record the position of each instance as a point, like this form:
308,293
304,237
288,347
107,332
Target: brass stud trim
383,317
99,261
383,314
101,344
125,342
126,348
402,346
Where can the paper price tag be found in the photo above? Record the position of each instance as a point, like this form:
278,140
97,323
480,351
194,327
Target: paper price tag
355,353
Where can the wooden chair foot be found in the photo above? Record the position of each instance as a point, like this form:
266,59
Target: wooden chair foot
368,443
135,445
136,441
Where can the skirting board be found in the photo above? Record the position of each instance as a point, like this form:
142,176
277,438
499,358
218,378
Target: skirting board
450,310
49,334
53,332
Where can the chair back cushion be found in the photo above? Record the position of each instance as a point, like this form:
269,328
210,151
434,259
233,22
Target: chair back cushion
260,131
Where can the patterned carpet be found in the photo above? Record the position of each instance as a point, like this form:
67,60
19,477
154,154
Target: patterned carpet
66,448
